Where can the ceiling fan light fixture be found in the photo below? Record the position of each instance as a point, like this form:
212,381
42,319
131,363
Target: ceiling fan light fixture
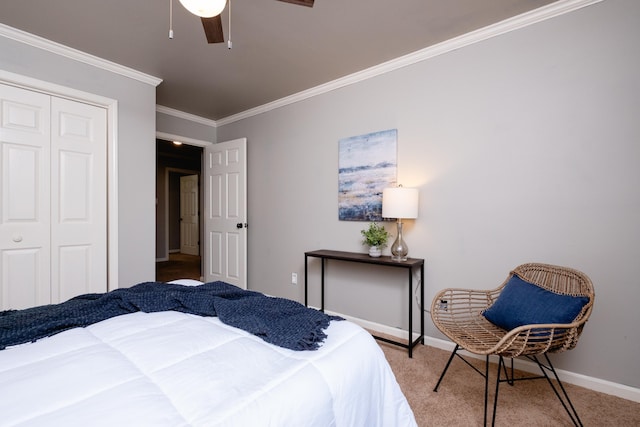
204,8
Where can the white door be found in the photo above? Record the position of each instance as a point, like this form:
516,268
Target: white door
189,217
53,216
225,249
78,199
25,261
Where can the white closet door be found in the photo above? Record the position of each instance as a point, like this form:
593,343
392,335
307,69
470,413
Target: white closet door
24,197
53,192
78,199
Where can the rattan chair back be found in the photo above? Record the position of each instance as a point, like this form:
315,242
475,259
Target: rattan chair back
457,313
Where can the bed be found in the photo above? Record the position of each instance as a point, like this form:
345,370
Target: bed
173,368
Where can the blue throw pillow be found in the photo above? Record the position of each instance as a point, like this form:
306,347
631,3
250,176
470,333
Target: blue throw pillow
523,303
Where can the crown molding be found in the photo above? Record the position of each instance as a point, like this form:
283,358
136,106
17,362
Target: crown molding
77,55
543,13
186,116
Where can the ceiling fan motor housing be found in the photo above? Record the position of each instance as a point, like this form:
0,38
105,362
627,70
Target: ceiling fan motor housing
204,8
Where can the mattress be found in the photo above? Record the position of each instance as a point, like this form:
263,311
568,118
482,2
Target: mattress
176,369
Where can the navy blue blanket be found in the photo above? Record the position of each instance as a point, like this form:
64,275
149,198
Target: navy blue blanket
278,321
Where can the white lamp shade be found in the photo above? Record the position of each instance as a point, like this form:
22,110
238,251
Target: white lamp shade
400,202
204,8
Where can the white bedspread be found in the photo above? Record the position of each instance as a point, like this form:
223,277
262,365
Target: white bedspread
175,369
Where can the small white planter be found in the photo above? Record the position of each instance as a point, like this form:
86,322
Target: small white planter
375,251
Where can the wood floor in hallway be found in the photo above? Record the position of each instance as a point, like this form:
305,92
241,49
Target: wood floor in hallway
179,266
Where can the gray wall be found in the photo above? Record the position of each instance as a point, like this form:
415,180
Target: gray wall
525,148
136,146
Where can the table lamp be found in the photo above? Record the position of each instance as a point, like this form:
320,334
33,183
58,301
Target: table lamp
400,203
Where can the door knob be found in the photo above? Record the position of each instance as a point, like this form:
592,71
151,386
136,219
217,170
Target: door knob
17,238
239,225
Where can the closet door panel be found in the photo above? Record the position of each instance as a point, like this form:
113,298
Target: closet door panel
75,263
24,198
22,266
79,199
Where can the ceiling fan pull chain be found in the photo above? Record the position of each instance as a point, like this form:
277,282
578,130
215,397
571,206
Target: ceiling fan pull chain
229,44
170,19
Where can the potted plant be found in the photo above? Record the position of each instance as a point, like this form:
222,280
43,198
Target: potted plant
376,237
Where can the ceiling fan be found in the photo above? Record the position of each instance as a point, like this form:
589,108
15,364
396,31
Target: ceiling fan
209,12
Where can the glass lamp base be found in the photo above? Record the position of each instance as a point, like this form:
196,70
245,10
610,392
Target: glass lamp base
399,249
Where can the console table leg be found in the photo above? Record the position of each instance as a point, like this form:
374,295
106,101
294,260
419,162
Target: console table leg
322,286
306,260
422,302
410,314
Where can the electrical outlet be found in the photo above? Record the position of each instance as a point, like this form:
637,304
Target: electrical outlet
294,278
444,306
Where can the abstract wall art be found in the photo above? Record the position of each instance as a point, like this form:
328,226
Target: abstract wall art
367,165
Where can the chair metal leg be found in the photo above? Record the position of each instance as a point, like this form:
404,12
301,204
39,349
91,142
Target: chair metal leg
501,366
453,354
485,374
486,389
573,414
510,379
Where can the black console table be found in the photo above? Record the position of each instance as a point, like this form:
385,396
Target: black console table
409,265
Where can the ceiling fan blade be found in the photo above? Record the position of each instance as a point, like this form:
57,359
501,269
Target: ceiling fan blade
213,29
300,2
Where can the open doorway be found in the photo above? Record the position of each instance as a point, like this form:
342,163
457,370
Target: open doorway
178,220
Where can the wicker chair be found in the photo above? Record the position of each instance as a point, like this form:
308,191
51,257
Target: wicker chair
458,313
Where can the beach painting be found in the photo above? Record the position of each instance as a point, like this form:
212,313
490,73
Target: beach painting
367,165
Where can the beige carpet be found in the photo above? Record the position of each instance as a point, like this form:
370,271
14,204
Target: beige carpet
460,398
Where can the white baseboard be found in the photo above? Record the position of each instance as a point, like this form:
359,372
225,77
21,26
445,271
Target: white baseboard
595,384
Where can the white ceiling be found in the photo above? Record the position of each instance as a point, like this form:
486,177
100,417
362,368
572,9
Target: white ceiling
279,49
